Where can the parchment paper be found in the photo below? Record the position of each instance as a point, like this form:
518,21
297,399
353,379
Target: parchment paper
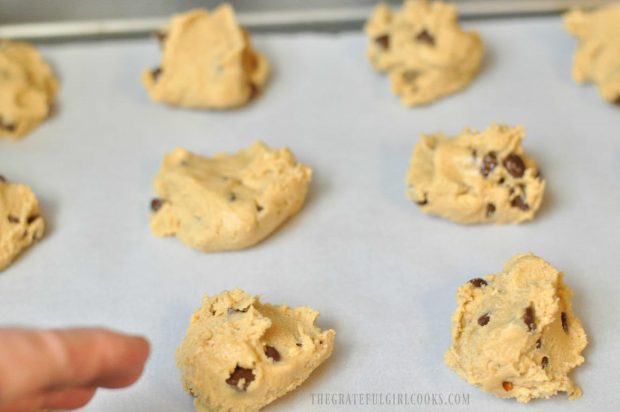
383,274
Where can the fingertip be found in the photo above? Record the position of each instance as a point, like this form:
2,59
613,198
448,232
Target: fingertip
69,399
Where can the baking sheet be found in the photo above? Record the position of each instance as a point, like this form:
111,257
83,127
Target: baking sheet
383,274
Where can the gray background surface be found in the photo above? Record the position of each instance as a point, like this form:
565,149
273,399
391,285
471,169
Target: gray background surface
383,274
24,11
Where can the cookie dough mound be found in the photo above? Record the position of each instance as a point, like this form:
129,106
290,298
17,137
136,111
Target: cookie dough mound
423,49
476,177
514,333
240,354
227,201
208,62
27,89
20,221
597,58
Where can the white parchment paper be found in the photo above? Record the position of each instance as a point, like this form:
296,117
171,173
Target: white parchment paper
383,274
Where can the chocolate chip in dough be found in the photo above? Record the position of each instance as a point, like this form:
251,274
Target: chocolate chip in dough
519,203
490,210
32,218
232,197
544,362
155,73
156,204
484,319
564,319
253,91
538,344
238,375
423,201
383,41
161,36
507,386
514,164
478,282
10,127
259,208
425,37
272,353
12,219
529,318
489,162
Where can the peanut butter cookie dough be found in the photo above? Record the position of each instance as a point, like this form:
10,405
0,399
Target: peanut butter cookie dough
240,354
423,49
21,223
208,62
514,333
27,89
476,177
227,201
597,58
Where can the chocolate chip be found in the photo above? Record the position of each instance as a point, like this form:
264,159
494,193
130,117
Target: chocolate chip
484,319
241,375
519,202
529,318
253,91
478,282
423,201
299,344
544,362
514,164
383,41
507,386
155,73
489,162
564,322
474,154
12,219
232,311
538,344
490,210
501,181
425,37
410,75
10,127
272,353
259,208
161,36
232,197
156,204
32,219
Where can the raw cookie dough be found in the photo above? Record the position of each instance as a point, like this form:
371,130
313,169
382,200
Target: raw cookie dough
514,333
208,62
27,89
476,177
423,49
20,220
227,201
598,55
240,354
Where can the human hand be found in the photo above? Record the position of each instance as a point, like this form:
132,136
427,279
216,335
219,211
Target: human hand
62,369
